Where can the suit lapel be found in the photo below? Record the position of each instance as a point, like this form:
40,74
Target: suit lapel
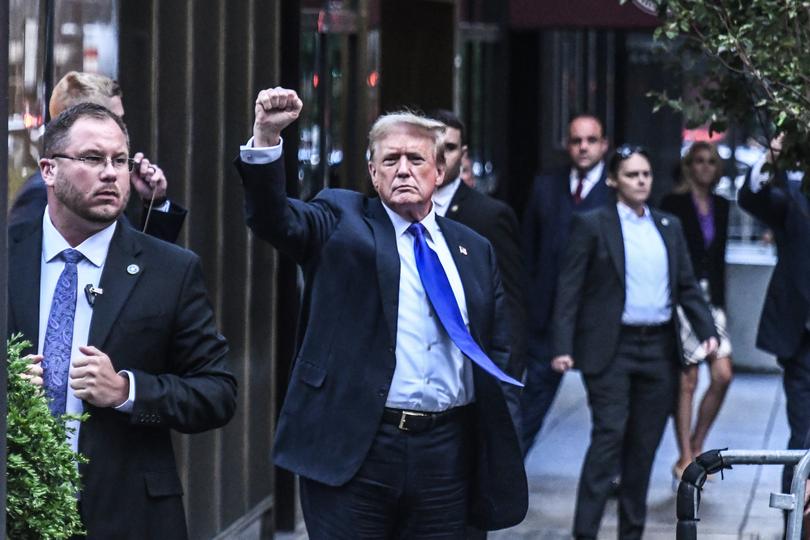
458,200
25,256
122,271
665,228
612,234
387,257
461,258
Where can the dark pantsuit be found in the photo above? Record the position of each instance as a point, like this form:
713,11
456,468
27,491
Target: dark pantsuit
630,402
424,476
542,383
796,382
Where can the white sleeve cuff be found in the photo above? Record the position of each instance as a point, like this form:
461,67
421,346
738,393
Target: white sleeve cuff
757,176
130,402
260,156
167,204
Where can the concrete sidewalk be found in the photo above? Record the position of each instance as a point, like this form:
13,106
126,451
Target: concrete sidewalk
752,417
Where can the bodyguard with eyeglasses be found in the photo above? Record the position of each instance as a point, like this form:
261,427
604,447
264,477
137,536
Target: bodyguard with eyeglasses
396,417
121,328
624,272
159,216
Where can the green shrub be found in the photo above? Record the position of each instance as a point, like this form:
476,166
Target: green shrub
42,477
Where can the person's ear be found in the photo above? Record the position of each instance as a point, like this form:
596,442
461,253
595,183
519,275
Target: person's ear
46,167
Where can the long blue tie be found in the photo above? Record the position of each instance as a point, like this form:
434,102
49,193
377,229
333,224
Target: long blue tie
441,296
59,334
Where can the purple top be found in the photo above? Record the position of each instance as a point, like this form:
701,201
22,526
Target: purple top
706,221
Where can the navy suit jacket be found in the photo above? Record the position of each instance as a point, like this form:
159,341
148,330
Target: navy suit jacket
546,225
157,323
32,198
345,244
591,289
786,210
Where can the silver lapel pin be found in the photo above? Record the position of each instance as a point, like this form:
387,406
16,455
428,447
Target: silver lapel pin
462,250
133,269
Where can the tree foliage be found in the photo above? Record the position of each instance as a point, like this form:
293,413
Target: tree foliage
756,67
42,475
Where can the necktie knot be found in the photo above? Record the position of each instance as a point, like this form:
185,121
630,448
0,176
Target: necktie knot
72,256
417,230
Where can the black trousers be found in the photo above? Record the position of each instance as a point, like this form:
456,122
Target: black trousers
410,486
630,402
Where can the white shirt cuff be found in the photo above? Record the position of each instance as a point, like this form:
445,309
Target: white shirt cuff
130,402
167,204
757,176
260,156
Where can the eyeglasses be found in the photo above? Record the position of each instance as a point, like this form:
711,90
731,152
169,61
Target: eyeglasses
626,150
100,162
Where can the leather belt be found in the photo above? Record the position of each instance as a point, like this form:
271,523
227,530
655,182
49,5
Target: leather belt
419,421
646,329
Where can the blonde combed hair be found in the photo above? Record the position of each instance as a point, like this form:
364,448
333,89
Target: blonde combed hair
387,123
80,87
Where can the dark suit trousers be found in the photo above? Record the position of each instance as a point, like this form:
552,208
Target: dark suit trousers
796,382
538,393
630,402
410,486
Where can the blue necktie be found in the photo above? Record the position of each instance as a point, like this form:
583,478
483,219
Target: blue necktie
59,334
441,296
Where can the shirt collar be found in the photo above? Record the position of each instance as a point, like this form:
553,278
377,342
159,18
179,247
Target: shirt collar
445,194
401,224
593,175
94,248
628,214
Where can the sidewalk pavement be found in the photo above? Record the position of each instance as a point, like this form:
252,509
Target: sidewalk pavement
752,417
736,507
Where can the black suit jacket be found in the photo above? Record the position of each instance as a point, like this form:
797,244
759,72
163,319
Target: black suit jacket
346,246
786,210
546,225
158,324
707,262
33,197
497,222
591,290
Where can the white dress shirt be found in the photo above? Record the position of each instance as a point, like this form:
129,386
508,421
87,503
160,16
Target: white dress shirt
590,180
431,373
89,271
443,196
646,269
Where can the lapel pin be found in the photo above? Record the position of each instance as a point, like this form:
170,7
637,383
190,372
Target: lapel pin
133,269
462,250
454,208
665,222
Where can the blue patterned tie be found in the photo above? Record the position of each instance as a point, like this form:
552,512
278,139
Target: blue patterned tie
441,296
59,334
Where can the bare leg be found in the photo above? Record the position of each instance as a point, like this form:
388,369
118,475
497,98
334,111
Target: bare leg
721,373
683,416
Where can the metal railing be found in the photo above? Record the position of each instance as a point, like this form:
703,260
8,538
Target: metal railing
713,461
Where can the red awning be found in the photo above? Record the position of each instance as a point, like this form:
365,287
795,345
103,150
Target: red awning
529,14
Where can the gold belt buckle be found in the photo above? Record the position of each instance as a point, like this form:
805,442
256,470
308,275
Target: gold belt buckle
406,414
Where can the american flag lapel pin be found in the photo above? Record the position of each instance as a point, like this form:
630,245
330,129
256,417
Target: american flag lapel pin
462,250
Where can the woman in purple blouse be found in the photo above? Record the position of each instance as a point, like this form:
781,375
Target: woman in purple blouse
704,216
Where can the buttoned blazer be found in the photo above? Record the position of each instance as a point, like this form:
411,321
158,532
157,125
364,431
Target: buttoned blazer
708,261
497,222
32,198
154,319
591,289
345,244
785,209
546,225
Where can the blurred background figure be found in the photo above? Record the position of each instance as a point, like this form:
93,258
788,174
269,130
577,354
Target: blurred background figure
467,175
704,217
